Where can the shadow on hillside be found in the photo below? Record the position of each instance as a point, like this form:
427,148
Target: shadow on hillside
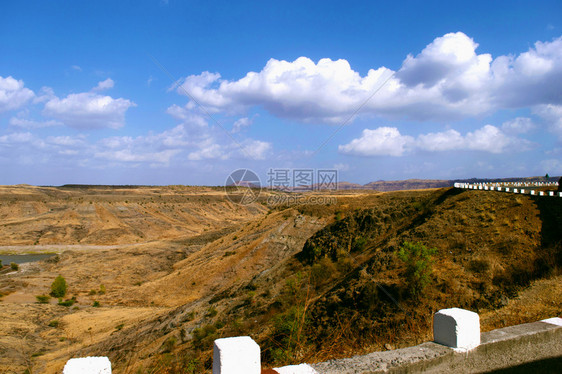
551,218
551,230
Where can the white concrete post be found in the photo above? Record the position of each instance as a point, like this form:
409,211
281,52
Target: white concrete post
237,355
541,193
87,365
457,328
551,193
515,190
533,192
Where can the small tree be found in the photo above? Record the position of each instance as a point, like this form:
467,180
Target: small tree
58,287
42,299
14,266
419,260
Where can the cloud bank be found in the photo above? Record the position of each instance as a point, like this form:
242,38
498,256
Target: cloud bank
388,141
447,80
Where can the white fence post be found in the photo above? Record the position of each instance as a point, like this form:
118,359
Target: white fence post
87,365
237,355
456,328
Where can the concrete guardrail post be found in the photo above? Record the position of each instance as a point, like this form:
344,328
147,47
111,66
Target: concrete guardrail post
457,328
88,365
237,355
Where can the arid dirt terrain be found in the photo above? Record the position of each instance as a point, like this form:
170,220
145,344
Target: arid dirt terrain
158,273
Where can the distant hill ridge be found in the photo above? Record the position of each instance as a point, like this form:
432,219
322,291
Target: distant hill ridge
417,184
380,185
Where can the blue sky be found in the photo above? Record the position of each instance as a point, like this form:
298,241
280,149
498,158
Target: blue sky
170,92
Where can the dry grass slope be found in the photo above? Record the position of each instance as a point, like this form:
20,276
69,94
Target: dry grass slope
182,266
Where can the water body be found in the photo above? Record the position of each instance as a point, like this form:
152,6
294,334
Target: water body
20,259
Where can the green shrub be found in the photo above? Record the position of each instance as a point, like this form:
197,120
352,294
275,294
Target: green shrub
54,323
58,287
102,289
322,272
67,302
211,312
0,263
14,266
169,344
359,244
419,260
96,304
42,299
203,337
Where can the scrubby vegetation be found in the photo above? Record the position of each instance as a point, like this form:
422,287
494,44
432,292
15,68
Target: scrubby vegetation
308,282
58,287
376,274
419,261
43,299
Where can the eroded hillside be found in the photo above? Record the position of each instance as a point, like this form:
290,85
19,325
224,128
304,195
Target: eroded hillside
308,282
110,216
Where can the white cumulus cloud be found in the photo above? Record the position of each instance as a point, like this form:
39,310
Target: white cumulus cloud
13,94
88,110
448,79
519,125
104,85
241,124
378,142
30,124
552,114
388,141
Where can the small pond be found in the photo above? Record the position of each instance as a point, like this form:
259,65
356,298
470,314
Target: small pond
20,259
